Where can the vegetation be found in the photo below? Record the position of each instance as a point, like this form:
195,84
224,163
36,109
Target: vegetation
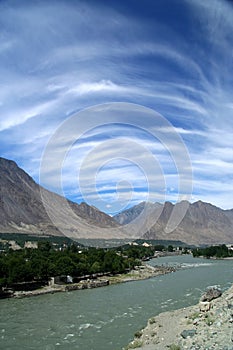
40,264
194,316
134,345
141,251
152,320
137,252
174,347
218,251
20,239
60,256
138,334
209,320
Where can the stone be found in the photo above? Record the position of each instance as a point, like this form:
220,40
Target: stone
196,321
188,333
204,306
229,297
211,293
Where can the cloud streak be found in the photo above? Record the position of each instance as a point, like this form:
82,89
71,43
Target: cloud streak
56,63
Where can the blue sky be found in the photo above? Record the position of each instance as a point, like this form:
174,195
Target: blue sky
58,58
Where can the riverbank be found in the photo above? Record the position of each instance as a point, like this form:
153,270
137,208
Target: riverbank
142,272
190,328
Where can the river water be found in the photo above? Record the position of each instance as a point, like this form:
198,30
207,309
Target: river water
106,318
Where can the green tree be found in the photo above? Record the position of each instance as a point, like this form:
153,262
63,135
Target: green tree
170,248
65,266
44,246
95,267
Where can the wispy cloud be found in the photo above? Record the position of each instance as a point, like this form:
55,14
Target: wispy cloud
56,63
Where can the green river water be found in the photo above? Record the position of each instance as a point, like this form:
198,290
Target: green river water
106,318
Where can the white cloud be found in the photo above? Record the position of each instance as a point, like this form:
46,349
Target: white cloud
97,87
17,118
49,71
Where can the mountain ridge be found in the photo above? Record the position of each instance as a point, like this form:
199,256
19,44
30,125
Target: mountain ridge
26,207
22,208
202,223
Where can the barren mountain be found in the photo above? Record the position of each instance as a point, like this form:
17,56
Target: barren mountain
203,223
27,207
128,215
24,207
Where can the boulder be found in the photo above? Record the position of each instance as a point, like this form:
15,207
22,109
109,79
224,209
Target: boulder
188,333
211,293
204,306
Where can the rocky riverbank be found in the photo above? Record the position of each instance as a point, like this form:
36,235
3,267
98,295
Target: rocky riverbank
139,273
205,326
63,288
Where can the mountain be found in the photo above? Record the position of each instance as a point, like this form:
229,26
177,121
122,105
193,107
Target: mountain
24,208
128,215
203,223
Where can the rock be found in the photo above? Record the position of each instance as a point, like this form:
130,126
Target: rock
196,321
194,330
204,306
211,293
188,333
229,297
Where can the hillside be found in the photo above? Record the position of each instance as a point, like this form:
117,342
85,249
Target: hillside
26,207
203,223
22,209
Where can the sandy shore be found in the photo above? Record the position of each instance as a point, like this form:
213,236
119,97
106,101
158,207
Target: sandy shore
189,328
140,273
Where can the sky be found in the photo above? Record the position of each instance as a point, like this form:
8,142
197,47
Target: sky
119,102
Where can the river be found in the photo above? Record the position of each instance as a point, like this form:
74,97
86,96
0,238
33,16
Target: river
106,318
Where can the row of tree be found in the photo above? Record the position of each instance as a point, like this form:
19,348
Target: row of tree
50,260
217,251
42,263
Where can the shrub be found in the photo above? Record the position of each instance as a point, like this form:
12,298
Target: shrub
134,345
152,320
174,347
138,334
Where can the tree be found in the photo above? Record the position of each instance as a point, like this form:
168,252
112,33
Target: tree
95,267
170,248
44,246
65,266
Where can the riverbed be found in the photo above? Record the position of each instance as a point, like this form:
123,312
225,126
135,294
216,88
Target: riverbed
106,318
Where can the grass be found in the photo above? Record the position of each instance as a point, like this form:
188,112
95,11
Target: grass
174,347
138,334
209,320
134,345
152,320
194,315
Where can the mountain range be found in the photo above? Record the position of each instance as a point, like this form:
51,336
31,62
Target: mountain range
203,222
26,207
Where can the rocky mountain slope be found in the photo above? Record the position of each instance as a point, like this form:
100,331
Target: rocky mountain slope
203,223
26,207
127,216
22,209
